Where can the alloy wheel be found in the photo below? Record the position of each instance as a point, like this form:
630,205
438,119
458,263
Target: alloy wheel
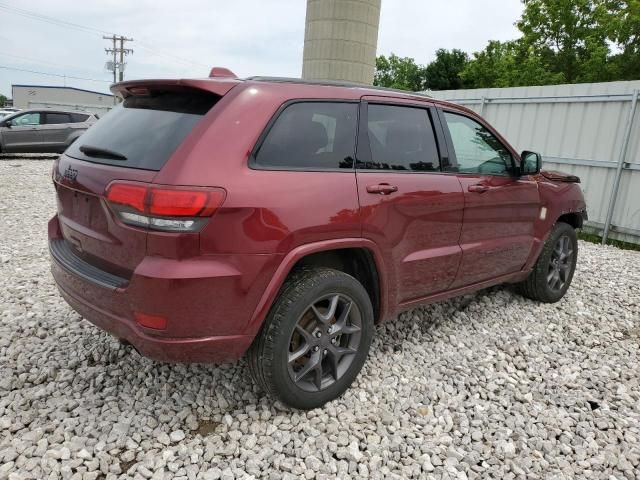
560,263
324,342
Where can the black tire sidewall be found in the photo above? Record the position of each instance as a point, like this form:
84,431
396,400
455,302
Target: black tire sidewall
285,388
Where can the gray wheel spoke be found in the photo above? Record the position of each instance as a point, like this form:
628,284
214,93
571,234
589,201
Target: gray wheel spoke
338,352
318,375
300,352
308,338
550,276
333,365
312,364
324,318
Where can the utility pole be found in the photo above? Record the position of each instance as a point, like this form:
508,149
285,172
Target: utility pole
118,66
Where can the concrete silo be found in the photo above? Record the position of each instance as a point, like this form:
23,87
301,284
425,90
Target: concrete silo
340,40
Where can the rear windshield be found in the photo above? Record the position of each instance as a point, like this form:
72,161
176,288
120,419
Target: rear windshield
143,131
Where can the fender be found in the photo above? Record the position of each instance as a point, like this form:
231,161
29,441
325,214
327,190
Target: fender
291,258
552,219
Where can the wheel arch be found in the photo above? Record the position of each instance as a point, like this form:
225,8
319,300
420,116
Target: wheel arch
358,257
575,219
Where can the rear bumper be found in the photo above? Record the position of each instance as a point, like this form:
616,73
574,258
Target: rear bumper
205,350
207,301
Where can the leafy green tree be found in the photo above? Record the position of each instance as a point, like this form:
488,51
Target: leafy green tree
568,37
620,20
444,72
507,64
3,100
401,73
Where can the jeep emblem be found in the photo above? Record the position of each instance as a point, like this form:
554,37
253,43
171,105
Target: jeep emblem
70,174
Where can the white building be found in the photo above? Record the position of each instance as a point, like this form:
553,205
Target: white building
68,98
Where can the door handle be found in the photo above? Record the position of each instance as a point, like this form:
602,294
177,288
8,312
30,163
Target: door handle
477,188
382,189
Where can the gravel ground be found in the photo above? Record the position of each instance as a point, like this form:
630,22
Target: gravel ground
490,385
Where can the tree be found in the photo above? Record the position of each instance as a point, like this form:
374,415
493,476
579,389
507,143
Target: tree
568,37
400,73
3,100
507,64
621,22
444,72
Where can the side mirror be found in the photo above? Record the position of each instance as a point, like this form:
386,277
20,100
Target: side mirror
5,124
530,163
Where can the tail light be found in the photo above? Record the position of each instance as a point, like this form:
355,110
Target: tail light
165,208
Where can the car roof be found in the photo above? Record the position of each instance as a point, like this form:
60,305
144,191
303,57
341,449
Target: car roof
301,88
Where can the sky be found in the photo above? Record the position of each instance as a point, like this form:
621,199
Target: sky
186,38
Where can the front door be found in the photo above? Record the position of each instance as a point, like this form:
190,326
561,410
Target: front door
500,208
408,207
22,135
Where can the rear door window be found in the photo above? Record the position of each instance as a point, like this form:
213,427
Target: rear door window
53,118
310,136
143,131
401,139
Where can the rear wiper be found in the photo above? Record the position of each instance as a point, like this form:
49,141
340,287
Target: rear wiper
101,152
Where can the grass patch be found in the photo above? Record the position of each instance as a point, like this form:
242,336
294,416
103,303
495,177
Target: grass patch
594,238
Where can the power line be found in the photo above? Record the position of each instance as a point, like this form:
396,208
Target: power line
170,56
38,61
52,20
53,74
88,29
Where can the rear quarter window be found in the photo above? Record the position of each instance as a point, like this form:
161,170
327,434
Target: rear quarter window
79,117
145,130
310,136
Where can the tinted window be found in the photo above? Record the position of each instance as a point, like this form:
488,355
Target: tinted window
32,118
54,118
144,129
78,117
477,149
401,138
311,135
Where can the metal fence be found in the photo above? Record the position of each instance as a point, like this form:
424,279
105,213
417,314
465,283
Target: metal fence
590,130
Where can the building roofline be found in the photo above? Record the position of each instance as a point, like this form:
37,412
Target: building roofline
66,88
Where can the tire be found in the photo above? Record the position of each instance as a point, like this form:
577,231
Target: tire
542,284
294,338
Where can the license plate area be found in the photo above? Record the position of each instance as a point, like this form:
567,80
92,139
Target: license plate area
82,208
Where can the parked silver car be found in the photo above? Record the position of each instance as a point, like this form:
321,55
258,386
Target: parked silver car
42,130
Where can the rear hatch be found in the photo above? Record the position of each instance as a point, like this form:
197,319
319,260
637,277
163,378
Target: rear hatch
131,143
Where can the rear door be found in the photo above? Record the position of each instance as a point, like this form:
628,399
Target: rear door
409,207
55,130
132,142
23,135
500,208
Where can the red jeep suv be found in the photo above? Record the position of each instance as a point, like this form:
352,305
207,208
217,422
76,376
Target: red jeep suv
200,220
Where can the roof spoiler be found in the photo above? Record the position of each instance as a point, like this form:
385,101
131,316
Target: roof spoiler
221,72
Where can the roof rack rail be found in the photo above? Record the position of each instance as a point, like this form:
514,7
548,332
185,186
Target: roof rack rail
334,83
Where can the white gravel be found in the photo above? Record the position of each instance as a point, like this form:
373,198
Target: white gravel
491,385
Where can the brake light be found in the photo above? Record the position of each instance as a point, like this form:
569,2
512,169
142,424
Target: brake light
172,209
127,195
